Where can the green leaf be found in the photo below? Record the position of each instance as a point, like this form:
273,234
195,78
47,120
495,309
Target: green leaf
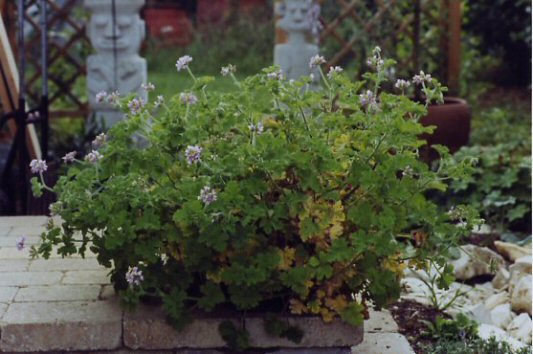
238,340
353,314
517,212
36,187
213,296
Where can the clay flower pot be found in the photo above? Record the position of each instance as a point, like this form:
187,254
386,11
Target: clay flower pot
452,121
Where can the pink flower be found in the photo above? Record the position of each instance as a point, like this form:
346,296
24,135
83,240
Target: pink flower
38,166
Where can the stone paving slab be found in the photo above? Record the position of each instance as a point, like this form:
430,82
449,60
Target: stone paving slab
7,293
64,264
30,278
14,265
66,306
58,293
383,343
86,277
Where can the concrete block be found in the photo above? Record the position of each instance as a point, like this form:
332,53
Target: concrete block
146,328
68,326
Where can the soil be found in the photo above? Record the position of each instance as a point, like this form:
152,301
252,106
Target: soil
411,318
483,240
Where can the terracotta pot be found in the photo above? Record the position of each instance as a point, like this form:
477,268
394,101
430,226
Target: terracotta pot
452,121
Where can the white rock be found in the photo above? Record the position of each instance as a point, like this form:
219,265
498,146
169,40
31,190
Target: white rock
483,229
486,331
480,293
476,261
479,313
414,285
501,279
421,273
518,270
502,315
521,295
520,328
525,260
496,300
511,251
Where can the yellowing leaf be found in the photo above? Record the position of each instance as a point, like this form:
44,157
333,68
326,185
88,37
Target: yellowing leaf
297,307
287,256
338,303
327,315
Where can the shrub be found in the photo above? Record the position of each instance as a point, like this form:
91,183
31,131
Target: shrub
277,196
500,186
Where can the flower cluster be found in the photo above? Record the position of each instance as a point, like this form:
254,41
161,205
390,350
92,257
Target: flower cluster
316,61
113,97
227,70
183,62
368,100
402,84
93,157
207,195
333,70
257,128
275,75
188,98
21,243
134,276
99,141
148,87
193,154
421,78
375,60
101,96
159,101
69,157
38,166
135,105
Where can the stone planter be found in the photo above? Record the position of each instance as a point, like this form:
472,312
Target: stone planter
147,329
452,119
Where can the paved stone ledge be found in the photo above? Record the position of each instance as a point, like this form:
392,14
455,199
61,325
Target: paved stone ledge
66,306
146,328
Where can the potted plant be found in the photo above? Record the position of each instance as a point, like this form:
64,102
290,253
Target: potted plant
265,199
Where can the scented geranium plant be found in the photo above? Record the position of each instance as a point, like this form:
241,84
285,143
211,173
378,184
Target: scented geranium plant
279,196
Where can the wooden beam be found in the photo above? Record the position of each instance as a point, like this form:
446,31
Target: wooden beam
9,92
454,46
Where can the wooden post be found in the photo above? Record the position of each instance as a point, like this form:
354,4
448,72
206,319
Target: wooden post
9,92
454,46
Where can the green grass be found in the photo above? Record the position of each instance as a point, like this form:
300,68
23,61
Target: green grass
171,82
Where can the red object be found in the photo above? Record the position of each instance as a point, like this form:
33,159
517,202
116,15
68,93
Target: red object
452,119
171,26
210,12
252,5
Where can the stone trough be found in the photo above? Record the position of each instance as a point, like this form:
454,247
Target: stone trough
68,306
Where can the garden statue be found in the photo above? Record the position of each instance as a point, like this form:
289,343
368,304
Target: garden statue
116,67
298,20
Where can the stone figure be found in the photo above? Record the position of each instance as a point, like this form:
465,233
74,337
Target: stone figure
296,21
122,39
